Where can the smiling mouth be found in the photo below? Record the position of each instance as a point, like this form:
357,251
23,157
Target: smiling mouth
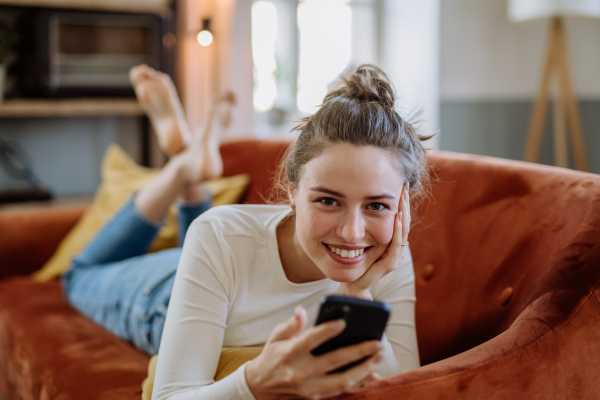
350,254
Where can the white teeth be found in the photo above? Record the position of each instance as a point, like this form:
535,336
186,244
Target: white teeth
346,253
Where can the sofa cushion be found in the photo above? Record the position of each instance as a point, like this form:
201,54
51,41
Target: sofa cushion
51,351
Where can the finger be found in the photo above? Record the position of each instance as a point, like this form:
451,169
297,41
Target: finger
372,377
346,355
315,336
401,198
388,262
335,384
356,375
405,216
395,251
291,327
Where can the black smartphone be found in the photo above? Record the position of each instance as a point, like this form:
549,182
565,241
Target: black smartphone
366,320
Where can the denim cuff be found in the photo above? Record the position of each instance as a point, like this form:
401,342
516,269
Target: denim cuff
138,214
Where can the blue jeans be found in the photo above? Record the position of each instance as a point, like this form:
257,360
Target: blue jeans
119,287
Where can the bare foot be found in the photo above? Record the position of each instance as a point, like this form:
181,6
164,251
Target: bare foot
201,160
208,138
223,108
198,162
158,98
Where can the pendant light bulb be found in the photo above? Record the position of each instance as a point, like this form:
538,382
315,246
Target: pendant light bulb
205,37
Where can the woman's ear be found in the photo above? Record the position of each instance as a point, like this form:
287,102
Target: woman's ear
290,192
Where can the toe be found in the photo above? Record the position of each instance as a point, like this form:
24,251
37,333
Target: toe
136,74
139,73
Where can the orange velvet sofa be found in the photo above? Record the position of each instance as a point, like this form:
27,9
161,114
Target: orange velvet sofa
507,266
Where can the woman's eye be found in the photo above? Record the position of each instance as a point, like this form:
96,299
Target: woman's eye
377,206
328,201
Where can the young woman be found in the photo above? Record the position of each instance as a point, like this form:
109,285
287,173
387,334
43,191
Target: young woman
244,270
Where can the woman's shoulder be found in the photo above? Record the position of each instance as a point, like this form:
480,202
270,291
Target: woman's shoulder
241,219
259,212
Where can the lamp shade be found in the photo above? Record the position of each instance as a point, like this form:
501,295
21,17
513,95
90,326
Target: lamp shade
523,10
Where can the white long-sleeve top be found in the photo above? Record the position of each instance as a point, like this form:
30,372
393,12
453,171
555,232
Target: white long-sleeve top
231,290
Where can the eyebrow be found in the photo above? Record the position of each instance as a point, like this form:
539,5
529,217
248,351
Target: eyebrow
333,193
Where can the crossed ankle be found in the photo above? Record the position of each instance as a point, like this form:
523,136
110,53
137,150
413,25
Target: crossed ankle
194,193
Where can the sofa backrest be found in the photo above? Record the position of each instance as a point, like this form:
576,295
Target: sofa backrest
259,159
496,236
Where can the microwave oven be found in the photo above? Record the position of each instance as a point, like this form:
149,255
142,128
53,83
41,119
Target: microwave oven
70,54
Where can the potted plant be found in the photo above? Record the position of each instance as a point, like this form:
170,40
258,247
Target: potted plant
8,40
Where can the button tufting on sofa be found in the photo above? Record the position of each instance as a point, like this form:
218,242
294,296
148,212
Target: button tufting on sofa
428,271
506,295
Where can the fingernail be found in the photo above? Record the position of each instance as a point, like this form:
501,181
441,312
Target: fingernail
339,324
379,357
400,215
376,347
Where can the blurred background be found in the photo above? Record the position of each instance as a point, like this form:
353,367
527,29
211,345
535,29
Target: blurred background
475,69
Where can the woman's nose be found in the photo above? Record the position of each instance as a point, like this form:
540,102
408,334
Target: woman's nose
352,228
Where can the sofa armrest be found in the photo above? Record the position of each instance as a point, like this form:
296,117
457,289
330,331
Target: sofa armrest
29,238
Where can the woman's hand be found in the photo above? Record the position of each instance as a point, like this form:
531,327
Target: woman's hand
286,368
391,258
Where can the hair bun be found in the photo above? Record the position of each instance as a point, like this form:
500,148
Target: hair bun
368,83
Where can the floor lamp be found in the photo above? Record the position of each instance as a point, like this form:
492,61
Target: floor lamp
556,65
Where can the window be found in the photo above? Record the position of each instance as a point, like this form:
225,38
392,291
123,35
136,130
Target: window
299,48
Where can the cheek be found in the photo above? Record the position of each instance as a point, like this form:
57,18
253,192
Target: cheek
383,231
313,226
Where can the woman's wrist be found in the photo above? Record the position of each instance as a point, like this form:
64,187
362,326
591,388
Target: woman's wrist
351,291
252,380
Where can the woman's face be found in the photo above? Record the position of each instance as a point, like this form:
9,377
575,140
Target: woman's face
345,206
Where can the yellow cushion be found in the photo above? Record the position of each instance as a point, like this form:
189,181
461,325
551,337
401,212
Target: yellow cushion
121,177
231,359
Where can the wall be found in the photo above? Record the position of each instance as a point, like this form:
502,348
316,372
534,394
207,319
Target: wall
205,72
409,53
490,70
67,153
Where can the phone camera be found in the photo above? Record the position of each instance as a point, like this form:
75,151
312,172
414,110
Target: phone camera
334,312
